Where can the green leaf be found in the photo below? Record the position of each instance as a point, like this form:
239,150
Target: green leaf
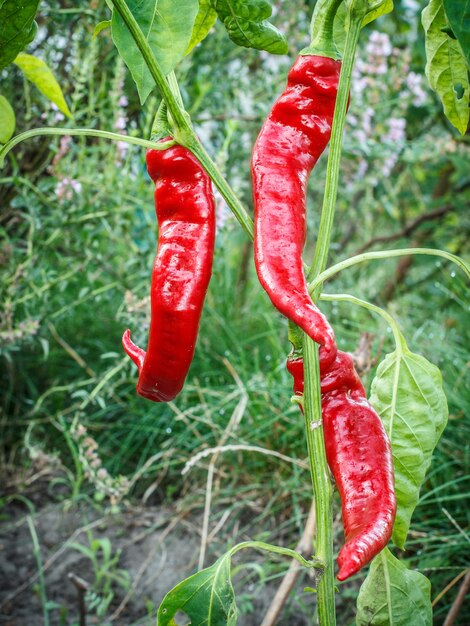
205,20
206,598
7,120
393,594
407,393
100,27
41,75
246,24
446,67
458,15
383,9
17,28
167,26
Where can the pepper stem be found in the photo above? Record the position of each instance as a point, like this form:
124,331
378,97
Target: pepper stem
322,485
321,30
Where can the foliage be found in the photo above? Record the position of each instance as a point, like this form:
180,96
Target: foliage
77,245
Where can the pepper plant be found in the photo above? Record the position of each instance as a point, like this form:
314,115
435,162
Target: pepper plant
407,411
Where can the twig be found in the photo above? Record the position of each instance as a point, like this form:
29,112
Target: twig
81,587
455,608
241,447
305,548
408,229
449,586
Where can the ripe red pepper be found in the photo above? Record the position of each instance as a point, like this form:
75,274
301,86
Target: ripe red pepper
359,455
291,140
185,210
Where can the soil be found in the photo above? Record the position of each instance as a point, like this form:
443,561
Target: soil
157,546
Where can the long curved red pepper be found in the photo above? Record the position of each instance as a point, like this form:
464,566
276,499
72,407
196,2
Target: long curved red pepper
291,140
185,210
359,455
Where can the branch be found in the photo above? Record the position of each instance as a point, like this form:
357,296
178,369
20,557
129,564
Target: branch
454,611
408,229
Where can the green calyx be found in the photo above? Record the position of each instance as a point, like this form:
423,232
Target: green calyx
321,30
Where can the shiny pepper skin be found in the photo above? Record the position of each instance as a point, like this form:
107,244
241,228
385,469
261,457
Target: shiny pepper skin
291,140
359,455
185,210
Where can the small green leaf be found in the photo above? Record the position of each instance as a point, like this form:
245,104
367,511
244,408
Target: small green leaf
7,120
393,594
41,75
17,28
383,9
167,26
246,24
205,20
407,394
446,66
458,15
100,27
205,598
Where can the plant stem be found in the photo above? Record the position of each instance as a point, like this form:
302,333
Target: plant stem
321,30
346,297
176,111
322,487
89,132
334,157
184,133
385,254
261,545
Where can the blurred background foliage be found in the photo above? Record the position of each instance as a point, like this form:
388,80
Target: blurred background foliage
77,242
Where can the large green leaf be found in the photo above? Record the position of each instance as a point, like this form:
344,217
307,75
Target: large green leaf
205,20
7,120
446,67
167,26
246,24
458,14
206,598
393,595
17,28
407,393
41,75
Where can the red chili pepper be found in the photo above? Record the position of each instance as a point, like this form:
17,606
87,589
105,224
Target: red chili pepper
291,140
185,210
359,455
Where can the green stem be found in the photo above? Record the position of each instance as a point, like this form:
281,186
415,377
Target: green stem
184,134
260,545
321,30
385,254
332,171
89,132
177,113
346,297
322,486
226,191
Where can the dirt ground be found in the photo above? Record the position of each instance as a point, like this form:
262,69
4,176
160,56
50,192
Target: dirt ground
157,545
